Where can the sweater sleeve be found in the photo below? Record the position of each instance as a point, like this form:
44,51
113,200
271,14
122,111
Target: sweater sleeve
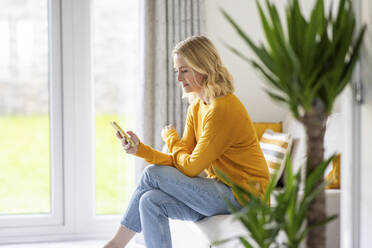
188,140
152,156
187,143
214,140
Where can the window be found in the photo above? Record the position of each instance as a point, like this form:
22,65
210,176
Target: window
115,59
66,68
28,183
24,109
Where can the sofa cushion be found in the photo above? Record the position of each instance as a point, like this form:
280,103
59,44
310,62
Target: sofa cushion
275,147
297,132
333,177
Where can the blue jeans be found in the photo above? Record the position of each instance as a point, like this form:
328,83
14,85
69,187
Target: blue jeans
164,192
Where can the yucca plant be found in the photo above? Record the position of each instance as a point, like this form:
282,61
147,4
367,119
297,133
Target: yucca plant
307,64
264,223
257,216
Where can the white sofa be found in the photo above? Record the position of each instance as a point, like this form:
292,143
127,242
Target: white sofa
202,233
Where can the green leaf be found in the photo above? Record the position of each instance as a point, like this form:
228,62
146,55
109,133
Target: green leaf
270,79
317,175
269,190
276,96
323,222
237,52
315,27
245,242
274,36
220,242
260,52
353,58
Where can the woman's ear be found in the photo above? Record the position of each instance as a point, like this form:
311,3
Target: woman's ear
205,79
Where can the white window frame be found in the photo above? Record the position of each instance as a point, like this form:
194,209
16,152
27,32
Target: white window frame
79,120
8,223
72,136
351,210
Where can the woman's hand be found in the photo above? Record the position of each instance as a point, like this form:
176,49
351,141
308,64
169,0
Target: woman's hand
166,129
127,147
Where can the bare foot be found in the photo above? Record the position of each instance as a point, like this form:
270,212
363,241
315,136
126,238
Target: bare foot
121,238
112,244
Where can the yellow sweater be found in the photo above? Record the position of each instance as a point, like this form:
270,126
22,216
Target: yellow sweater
218,135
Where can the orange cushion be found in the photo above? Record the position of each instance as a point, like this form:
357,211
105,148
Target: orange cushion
262,126
333,177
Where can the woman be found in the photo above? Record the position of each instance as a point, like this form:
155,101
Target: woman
219,134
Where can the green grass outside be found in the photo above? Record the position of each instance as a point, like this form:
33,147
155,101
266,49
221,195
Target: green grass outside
25,168
114,168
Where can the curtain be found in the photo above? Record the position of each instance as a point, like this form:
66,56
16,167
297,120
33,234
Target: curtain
163,24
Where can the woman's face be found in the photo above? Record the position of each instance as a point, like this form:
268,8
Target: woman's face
189,78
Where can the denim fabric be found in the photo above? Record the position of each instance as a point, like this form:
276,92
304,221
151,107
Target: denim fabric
164,192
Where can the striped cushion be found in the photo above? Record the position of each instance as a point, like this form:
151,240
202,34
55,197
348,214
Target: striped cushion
275,146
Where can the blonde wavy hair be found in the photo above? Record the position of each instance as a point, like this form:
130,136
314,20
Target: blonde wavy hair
201,55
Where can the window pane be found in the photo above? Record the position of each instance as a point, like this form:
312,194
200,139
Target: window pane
24,112
116,78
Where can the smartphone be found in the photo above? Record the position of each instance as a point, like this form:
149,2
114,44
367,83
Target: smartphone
122,133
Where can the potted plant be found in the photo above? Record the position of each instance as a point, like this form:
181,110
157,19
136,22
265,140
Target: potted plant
265,223
307,64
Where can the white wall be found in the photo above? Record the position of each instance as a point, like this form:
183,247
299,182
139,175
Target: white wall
248,81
